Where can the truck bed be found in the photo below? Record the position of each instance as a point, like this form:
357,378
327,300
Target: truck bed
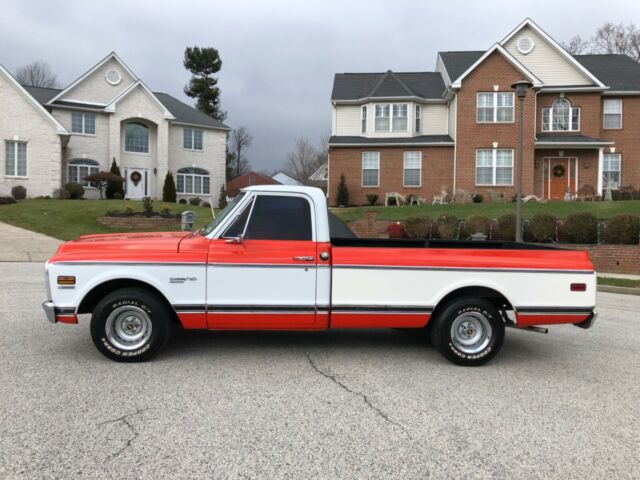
436,243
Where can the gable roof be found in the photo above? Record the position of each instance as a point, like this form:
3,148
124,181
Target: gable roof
183,113
111,106
456,63
110,56
527,22
619,72
360,86
35,103
457,83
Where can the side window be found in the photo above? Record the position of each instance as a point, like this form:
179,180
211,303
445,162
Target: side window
280,218
237,226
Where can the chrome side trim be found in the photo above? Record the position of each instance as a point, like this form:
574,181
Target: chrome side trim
455,269
49,311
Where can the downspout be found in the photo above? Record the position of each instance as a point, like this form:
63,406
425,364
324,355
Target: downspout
600,166
455,147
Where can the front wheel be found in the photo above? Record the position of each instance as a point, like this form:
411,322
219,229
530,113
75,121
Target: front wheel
469,331
130,325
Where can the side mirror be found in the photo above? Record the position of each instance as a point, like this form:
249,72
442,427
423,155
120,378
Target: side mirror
237,239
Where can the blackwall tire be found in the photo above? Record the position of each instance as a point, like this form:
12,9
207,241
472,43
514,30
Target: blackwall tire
468,331
130,325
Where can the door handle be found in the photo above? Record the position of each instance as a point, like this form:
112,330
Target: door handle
304,258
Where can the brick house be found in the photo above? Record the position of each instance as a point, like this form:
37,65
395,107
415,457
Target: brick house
246,180
455,129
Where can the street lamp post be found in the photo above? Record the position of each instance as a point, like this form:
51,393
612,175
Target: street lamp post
521,87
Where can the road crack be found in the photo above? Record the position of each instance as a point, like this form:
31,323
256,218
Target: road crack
124,419
364,397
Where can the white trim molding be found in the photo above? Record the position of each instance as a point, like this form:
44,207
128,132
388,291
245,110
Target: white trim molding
111,107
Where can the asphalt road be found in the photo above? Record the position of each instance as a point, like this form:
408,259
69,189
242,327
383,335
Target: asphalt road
360,404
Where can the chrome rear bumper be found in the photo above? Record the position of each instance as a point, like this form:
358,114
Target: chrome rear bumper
49,310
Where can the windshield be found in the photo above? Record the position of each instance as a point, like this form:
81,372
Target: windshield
222,214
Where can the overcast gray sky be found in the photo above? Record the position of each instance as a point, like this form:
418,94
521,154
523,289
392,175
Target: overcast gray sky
278,57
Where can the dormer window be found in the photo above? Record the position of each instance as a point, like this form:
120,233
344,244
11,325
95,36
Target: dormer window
561,117
391,117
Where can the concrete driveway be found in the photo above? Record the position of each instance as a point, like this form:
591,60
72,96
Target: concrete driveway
20,245
361,404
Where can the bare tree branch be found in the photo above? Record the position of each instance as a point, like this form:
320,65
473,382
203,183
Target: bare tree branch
241,140
37,74
305,159
618,39
576,46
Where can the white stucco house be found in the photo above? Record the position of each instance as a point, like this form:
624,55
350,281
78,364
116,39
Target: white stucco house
53,136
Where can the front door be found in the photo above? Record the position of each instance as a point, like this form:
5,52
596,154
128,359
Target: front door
136,183
560,175
261,272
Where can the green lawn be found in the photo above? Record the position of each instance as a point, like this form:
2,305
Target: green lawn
619,282
68,219
560,209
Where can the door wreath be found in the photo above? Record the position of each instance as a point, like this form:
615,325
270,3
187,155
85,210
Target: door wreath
135,177
559,170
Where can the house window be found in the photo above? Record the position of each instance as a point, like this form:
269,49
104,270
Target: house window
81,168
193,181
252,180
613,113
15,159
192,139
611,170
412,169
370,169
136,138
561,117
418,113
83,123
363,119
494,166
494,107
391,117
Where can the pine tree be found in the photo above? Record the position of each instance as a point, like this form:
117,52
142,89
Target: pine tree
169,189
203,63
342,196
116,187
222,200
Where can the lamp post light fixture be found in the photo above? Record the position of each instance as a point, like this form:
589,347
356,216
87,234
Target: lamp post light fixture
522,88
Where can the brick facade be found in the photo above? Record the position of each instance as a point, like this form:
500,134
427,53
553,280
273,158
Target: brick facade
437,172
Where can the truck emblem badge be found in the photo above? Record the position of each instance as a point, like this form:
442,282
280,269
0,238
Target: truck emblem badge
182,279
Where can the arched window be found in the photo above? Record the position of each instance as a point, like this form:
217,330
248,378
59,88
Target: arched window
561,117
194,181
81,168
136,138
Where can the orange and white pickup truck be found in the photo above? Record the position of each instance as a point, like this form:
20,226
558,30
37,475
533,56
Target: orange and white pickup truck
276,259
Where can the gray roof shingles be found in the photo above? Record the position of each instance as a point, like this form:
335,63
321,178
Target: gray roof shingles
456,63
355,86
568,138
341,140
183,112
620,72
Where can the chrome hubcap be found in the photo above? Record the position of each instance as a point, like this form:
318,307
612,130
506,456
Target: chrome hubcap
128,327
471,332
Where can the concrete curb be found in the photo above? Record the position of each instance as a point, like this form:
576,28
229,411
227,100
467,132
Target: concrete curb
623,290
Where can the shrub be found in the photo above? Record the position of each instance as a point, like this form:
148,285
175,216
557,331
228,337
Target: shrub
392,202
182,201
166,211
61,193
117,196
372,198
543,227
102,180
342,194
7,200
128,210
477,198
582,227
447,226
19,192
195,201
147,206
206,205
626,193
396,230
222,199
114,186
76,191
169,189
507,226
623,228
476,223
417,227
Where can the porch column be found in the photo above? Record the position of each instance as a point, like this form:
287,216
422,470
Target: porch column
600,166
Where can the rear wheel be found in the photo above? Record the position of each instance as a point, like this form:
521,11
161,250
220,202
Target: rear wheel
468,331
130,325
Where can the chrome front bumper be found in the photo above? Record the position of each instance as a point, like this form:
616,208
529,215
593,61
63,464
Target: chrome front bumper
49,310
